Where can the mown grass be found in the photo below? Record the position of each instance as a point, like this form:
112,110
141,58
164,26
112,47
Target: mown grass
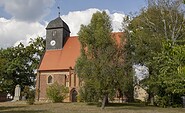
22,107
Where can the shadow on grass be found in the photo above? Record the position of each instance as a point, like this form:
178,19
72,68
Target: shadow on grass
126,104
15,109
119,104
24,111
129,106
9,107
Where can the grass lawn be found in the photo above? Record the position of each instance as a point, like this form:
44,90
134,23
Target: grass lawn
22,107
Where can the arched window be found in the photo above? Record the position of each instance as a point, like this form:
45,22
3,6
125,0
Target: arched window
50,79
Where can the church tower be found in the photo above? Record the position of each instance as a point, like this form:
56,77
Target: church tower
57,33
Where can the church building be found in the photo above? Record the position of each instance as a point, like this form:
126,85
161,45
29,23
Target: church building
57,64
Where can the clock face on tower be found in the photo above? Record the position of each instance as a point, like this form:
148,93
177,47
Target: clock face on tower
53,42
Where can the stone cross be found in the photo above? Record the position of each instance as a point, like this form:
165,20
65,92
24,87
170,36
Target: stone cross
17,93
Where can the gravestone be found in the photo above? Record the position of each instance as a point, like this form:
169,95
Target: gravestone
183,101
17,93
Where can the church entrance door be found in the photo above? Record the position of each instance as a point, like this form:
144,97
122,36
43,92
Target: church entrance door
74,95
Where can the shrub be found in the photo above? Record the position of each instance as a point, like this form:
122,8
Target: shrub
162,101
169,101
29,95
56,92
79,98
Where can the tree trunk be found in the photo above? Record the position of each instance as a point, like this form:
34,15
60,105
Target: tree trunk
105,101
150,98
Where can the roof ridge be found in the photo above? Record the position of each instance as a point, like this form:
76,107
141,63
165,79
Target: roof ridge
116,32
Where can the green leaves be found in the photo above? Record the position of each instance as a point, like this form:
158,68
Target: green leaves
56,92
155,38
172,72
18,64
100,65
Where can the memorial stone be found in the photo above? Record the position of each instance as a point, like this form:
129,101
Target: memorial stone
17,93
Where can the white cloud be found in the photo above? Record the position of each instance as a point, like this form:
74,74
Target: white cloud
14,31
27,10
117,19
76,18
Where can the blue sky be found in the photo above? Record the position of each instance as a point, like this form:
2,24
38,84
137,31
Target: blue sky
21,20
66,6
125,6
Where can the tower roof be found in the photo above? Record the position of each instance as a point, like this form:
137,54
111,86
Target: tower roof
57,23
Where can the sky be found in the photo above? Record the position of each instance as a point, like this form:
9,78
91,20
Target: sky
21,20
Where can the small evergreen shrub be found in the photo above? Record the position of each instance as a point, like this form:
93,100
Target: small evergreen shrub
56,92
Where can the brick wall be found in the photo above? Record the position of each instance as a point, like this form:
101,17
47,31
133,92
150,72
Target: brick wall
59,77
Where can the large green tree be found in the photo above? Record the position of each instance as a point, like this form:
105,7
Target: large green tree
162,21
100,65
3,85
18,64
170,81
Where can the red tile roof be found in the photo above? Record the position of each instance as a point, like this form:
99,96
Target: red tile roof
61,59
65,58
118,36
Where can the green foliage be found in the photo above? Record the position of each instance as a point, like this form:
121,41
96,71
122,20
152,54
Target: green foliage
89,93
19,64
79,98
29,94
4,83
56,92
154,25
171,73
100,65
162,101
154,39
25,92
31,97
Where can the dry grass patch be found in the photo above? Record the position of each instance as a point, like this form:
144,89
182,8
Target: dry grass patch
22,107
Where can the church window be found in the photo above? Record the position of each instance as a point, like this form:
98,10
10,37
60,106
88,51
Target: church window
50,79
66,81
74,79
54,33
